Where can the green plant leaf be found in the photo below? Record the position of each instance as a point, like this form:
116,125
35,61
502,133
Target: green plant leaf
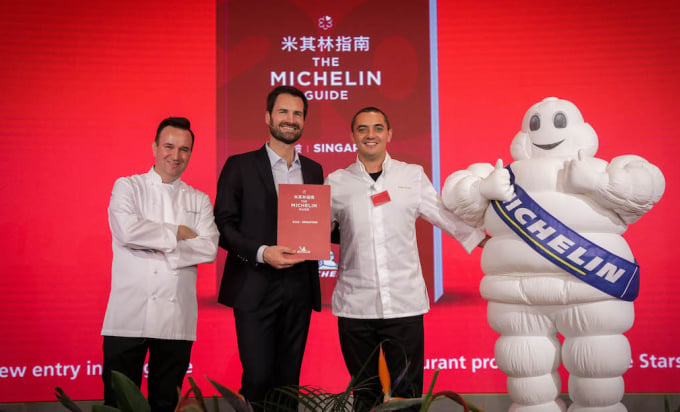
427,399
215,404
66,401
283,399
313,398
467,406
197,393
192,407
128,395
234,400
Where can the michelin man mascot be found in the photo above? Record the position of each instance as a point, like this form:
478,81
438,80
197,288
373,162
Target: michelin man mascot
556,262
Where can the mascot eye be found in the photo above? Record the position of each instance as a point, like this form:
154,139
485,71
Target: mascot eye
534,123
560,120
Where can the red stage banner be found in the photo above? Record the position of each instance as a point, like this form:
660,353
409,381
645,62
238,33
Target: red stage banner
343,58
86,83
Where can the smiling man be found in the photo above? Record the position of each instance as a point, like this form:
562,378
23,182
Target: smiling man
271,290
162,229
380,294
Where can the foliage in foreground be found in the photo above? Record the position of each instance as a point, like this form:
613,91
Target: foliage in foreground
131,399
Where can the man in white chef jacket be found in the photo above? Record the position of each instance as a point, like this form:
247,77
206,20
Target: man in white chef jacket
162,229
380,295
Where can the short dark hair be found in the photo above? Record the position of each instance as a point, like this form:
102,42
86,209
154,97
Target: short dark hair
293,91
178,122
370,109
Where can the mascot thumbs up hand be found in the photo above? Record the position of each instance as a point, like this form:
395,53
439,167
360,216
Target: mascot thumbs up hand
585,175
468,192
497,185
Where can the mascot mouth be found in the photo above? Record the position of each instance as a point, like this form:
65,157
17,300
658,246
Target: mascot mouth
548,146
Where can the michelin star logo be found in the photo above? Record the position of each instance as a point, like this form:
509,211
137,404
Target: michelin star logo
325,22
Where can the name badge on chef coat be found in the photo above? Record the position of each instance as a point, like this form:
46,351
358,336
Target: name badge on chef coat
380,198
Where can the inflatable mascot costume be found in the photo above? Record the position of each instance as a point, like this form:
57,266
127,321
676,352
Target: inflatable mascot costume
556,261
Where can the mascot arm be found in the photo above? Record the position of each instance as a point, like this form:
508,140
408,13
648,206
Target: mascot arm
629,185
462,192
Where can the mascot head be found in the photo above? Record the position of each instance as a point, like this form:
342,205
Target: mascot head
553,128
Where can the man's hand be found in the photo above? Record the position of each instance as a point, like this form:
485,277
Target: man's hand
183,232
483,241
281,257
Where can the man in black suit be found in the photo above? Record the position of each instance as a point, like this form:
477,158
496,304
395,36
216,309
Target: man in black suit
271,290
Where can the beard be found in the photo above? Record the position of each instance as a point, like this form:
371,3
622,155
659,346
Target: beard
287,137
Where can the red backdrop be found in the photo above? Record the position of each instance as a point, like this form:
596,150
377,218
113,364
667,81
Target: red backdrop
84,84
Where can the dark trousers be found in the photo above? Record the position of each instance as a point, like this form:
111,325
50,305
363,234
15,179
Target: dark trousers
168,363
272,338
403,345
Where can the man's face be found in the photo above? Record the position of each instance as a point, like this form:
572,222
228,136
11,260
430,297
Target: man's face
287,118
371,136
172,153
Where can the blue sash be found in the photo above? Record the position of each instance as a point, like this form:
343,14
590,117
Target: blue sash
566,248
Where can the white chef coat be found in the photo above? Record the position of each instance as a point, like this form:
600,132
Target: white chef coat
153,276
380,274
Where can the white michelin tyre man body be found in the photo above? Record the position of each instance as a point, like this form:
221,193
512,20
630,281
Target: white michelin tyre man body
532,298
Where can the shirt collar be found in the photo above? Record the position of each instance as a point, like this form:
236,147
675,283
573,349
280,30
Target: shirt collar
385,165
274,158
156,178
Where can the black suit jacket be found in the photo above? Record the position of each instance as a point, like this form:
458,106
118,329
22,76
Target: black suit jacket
246,209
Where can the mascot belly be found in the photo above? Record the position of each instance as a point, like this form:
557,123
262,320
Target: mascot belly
535,270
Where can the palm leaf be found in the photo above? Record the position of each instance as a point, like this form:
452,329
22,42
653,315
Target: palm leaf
234,399
467,405
315,399
66,401
128,395
428,396
197,393
215,404
191,407
183,400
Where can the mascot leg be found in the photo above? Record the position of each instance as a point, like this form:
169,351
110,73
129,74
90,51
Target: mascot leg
528,352
596,353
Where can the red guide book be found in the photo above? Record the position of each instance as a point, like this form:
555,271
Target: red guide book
305,220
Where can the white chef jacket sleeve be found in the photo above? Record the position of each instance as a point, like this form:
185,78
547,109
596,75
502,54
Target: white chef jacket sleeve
201,249
130,228
432,209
